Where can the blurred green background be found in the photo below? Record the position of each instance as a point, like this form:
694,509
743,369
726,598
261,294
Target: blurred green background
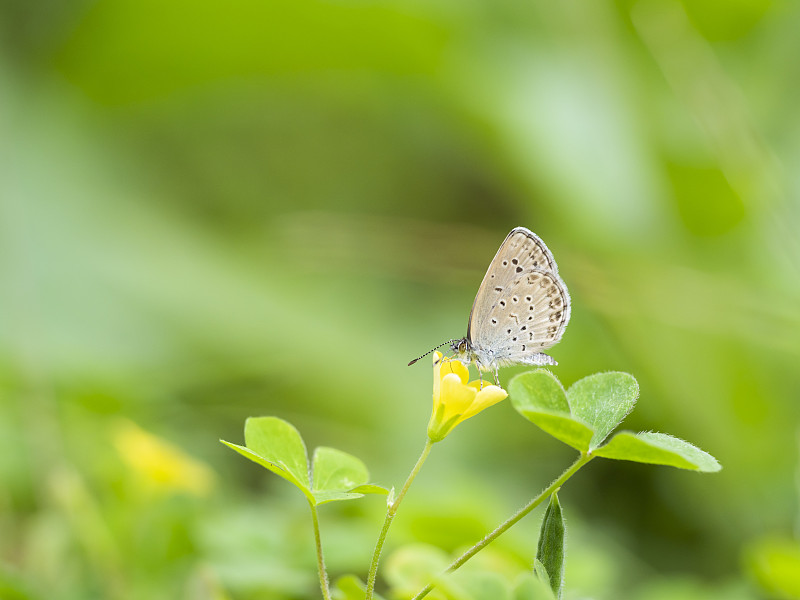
217,210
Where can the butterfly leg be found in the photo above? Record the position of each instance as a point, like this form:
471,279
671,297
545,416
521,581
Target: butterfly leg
496,377
451,357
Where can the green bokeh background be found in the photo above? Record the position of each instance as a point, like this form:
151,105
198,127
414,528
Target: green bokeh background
267,207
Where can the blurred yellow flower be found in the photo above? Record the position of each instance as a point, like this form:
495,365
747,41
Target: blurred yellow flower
455,400
159,466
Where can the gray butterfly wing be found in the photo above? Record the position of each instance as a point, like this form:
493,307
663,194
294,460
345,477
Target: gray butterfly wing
528,250
522,306
528,317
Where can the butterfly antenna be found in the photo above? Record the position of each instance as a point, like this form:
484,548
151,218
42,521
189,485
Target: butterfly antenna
431,350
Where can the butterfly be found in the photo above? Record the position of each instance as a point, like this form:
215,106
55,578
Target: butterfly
521,309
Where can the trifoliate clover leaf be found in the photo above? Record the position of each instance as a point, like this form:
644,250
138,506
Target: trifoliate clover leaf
276,445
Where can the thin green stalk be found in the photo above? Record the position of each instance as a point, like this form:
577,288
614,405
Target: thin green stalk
582,460
323,574
391,510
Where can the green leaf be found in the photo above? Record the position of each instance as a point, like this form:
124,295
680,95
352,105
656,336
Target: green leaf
561,426
336,470
658,449
538,390
602,400
350,587
539,397
326,496
338,475
276,445
275,468
540,571
280,443
550,552
584,415
370,488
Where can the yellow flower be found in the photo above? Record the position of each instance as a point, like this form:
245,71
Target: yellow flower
157,465
455,400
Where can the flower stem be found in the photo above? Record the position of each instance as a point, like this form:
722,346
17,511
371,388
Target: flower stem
502,528
391,510
323,574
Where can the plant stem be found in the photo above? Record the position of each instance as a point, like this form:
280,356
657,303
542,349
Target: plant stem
582,460
391,510
323,574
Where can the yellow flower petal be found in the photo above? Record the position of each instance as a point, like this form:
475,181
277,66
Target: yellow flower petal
457,367
488,396
456,396
480,384
437,375
158,465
